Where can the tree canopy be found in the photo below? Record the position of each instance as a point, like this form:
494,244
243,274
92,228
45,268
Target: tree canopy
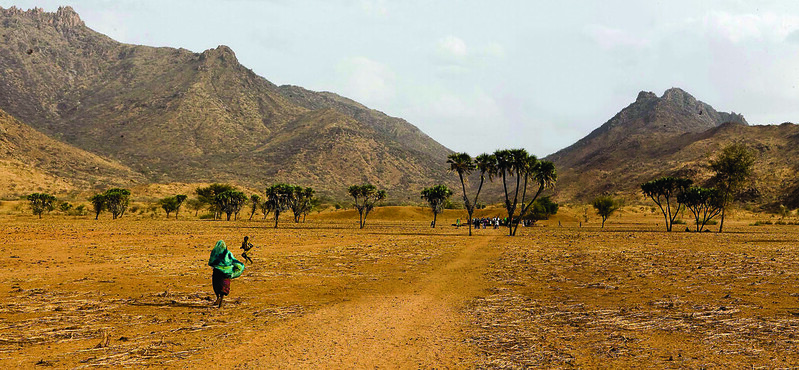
463,165
366,196
703,203
278,199
517,169
41,202
605,206
664,192
542,209
207,195
114,200
172,204
230,202
301,201
436,197
732,168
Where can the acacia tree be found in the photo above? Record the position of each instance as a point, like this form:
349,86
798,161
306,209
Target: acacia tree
116,201
605,206
196,205
255,202
207,196
516,165
265,208
41,202
436,197
462,164
98,204
665,193
733,167
230,202
169,204
179,199
703,203
277,199
172,204
301,201
366,196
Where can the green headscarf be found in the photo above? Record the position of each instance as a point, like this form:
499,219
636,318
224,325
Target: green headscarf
222,260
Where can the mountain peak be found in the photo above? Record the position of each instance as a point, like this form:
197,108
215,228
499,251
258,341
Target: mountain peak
679,96
645,95
222,52
64,18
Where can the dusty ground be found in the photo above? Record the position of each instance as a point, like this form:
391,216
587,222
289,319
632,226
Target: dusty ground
136,291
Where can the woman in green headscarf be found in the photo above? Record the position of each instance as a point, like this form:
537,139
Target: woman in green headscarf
226,267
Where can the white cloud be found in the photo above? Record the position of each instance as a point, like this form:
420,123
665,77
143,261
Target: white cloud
454,57
366,80
742,27
452,46
610,38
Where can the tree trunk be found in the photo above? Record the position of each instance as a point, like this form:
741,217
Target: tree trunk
434,219
469,221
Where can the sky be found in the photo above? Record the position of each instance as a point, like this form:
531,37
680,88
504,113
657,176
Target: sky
478,76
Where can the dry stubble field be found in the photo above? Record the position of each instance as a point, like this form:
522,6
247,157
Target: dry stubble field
79,293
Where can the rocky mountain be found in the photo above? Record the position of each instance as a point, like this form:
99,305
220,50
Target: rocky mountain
179,116
674,134
32,162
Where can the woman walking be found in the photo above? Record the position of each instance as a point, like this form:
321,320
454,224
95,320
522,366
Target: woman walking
226,267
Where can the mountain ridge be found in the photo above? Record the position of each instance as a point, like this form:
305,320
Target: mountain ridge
176,115
675,135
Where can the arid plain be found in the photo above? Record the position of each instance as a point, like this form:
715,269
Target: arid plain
81,293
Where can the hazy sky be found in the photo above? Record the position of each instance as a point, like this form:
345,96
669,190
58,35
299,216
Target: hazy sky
483,75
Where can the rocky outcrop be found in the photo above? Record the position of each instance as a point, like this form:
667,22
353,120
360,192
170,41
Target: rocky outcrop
176,115
620,153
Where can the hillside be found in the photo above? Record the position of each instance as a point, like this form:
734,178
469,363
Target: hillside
674,134
32,162
179,116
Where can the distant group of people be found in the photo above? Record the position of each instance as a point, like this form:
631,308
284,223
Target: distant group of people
494,222
486,222
226,267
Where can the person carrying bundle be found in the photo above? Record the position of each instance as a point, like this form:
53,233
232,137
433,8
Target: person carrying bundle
226,267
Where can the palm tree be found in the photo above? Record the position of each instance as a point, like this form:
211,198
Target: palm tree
463,165
277,199
511,162
542,173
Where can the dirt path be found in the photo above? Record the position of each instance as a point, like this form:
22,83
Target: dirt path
415,325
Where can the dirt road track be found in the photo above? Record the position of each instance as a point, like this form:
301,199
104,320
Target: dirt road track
409,326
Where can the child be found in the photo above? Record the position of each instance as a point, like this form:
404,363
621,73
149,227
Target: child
246,246
226,267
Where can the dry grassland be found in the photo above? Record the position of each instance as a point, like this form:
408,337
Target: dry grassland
80,293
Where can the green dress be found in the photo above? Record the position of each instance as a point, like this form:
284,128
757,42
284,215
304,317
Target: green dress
222,260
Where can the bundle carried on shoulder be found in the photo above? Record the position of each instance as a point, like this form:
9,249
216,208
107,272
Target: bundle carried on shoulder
222,260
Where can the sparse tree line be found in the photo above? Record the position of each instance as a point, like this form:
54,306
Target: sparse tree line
219,200
731,169
523,176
